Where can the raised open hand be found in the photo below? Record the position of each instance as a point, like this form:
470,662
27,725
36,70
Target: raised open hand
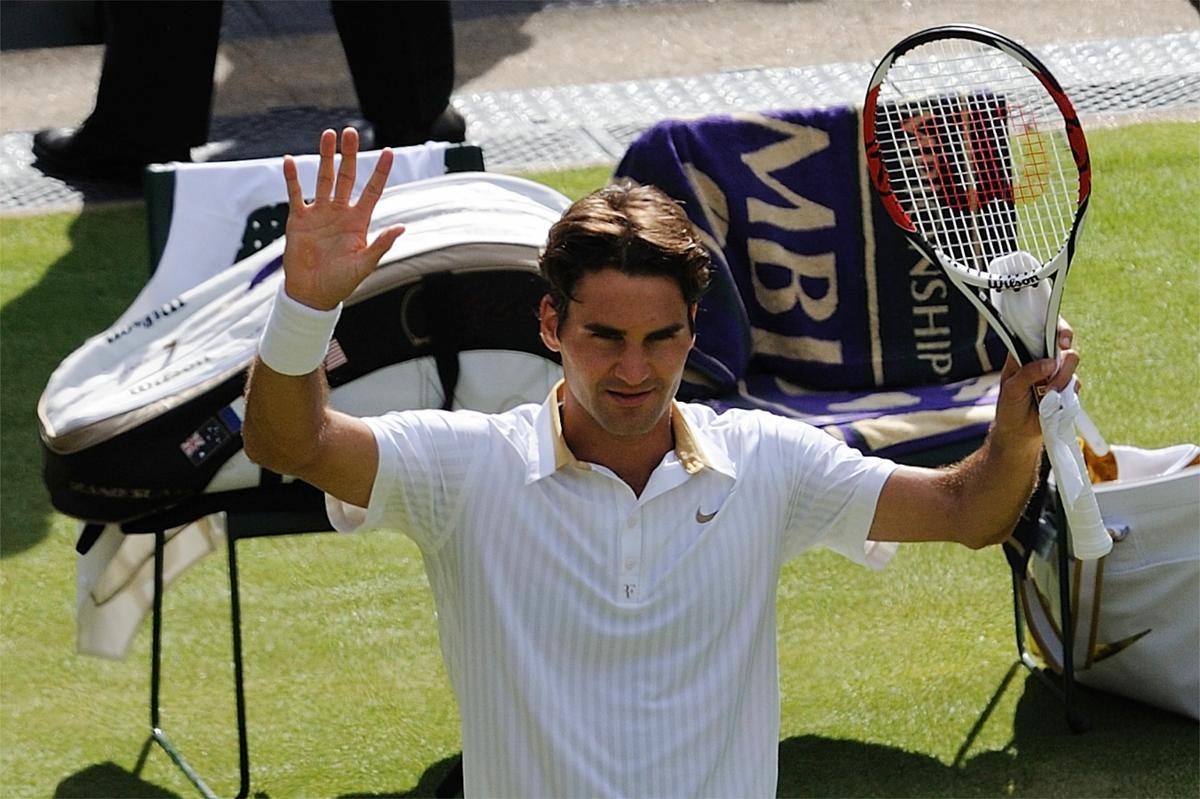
326,254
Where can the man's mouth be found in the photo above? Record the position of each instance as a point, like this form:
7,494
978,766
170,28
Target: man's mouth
628,398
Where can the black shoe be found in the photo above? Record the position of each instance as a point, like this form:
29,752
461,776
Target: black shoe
80,153
449,127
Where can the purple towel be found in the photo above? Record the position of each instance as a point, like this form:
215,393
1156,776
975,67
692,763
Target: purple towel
815,284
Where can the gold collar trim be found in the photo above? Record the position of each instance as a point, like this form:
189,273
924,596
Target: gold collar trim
687,444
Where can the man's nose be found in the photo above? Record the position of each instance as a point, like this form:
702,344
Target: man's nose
633,368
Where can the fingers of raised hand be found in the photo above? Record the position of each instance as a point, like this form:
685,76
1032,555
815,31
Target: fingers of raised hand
376,183
382,243
1010,368
291,177
1020,380
335,185
1068,361
328,152
348,169
1066,334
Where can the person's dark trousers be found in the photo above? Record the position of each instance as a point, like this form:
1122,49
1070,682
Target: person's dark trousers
155,95
156,85
401,58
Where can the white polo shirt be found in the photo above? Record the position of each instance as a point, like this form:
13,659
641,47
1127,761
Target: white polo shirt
601,643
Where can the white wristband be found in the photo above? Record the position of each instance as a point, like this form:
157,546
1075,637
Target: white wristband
297,336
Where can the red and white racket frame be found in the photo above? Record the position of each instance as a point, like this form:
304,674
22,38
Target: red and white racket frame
974,282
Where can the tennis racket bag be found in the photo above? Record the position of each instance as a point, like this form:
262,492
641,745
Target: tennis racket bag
148,413
1137,633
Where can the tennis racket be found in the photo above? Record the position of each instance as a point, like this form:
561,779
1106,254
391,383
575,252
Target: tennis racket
977,154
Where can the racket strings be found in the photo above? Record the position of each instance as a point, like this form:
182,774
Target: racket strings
976,153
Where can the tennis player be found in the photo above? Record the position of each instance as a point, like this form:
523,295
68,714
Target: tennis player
604,564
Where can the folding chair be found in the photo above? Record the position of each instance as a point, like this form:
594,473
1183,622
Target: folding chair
274,507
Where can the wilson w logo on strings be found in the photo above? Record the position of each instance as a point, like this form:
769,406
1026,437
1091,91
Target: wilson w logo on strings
959,174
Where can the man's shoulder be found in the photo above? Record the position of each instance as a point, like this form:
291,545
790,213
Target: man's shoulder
459,435
706,417
519,421
740,430
516,421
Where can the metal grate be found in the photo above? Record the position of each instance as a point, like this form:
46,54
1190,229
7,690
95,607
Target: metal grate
25,189
1156,73
539,149
566,126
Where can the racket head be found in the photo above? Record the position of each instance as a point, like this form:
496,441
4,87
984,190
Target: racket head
976,153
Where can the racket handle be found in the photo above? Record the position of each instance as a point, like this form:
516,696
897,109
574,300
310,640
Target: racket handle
1089,538
1091,434
1084,424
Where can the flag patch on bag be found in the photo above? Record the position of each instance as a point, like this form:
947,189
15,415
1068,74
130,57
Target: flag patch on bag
334,356
210,437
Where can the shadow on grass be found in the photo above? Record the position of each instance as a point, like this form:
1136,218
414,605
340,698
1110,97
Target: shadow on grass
441,780
1131,750
109,779
79,295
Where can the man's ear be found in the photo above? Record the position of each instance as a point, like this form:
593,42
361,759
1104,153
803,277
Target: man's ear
548,324
692,315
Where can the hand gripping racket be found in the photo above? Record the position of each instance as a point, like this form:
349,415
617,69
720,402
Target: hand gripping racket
978,155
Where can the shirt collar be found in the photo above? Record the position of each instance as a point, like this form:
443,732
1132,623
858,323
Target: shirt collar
551,453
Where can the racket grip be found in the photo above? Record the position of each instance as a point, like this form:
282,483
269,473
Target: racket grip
1089,538
1091,434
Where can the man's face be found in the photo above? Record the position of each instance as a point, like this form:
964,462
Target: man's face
623,343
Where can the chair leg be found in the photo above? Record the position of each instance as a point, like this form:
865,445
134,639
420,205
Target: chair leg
235,614
1075,720
235,618
156,731
156,630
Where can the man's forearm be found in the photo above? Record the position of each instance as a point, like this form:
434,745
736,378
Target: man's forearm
285,415
976,502
991,488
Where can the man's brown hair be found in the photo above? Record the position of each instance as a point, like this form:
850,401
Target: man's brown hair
637,230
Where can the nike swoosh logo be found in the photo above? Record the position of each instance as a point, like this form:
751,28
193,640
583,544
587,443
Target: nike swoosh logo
705,518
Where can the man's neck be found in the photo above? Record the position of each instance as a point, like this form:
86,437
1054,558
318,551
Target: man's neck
632,458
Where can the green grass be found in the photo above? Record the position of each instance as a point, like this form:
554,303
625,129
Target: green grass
573,182
1134,292
894,684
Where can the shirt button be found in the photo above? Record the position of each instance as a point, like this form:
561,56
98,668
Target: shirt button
632,522
629,564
